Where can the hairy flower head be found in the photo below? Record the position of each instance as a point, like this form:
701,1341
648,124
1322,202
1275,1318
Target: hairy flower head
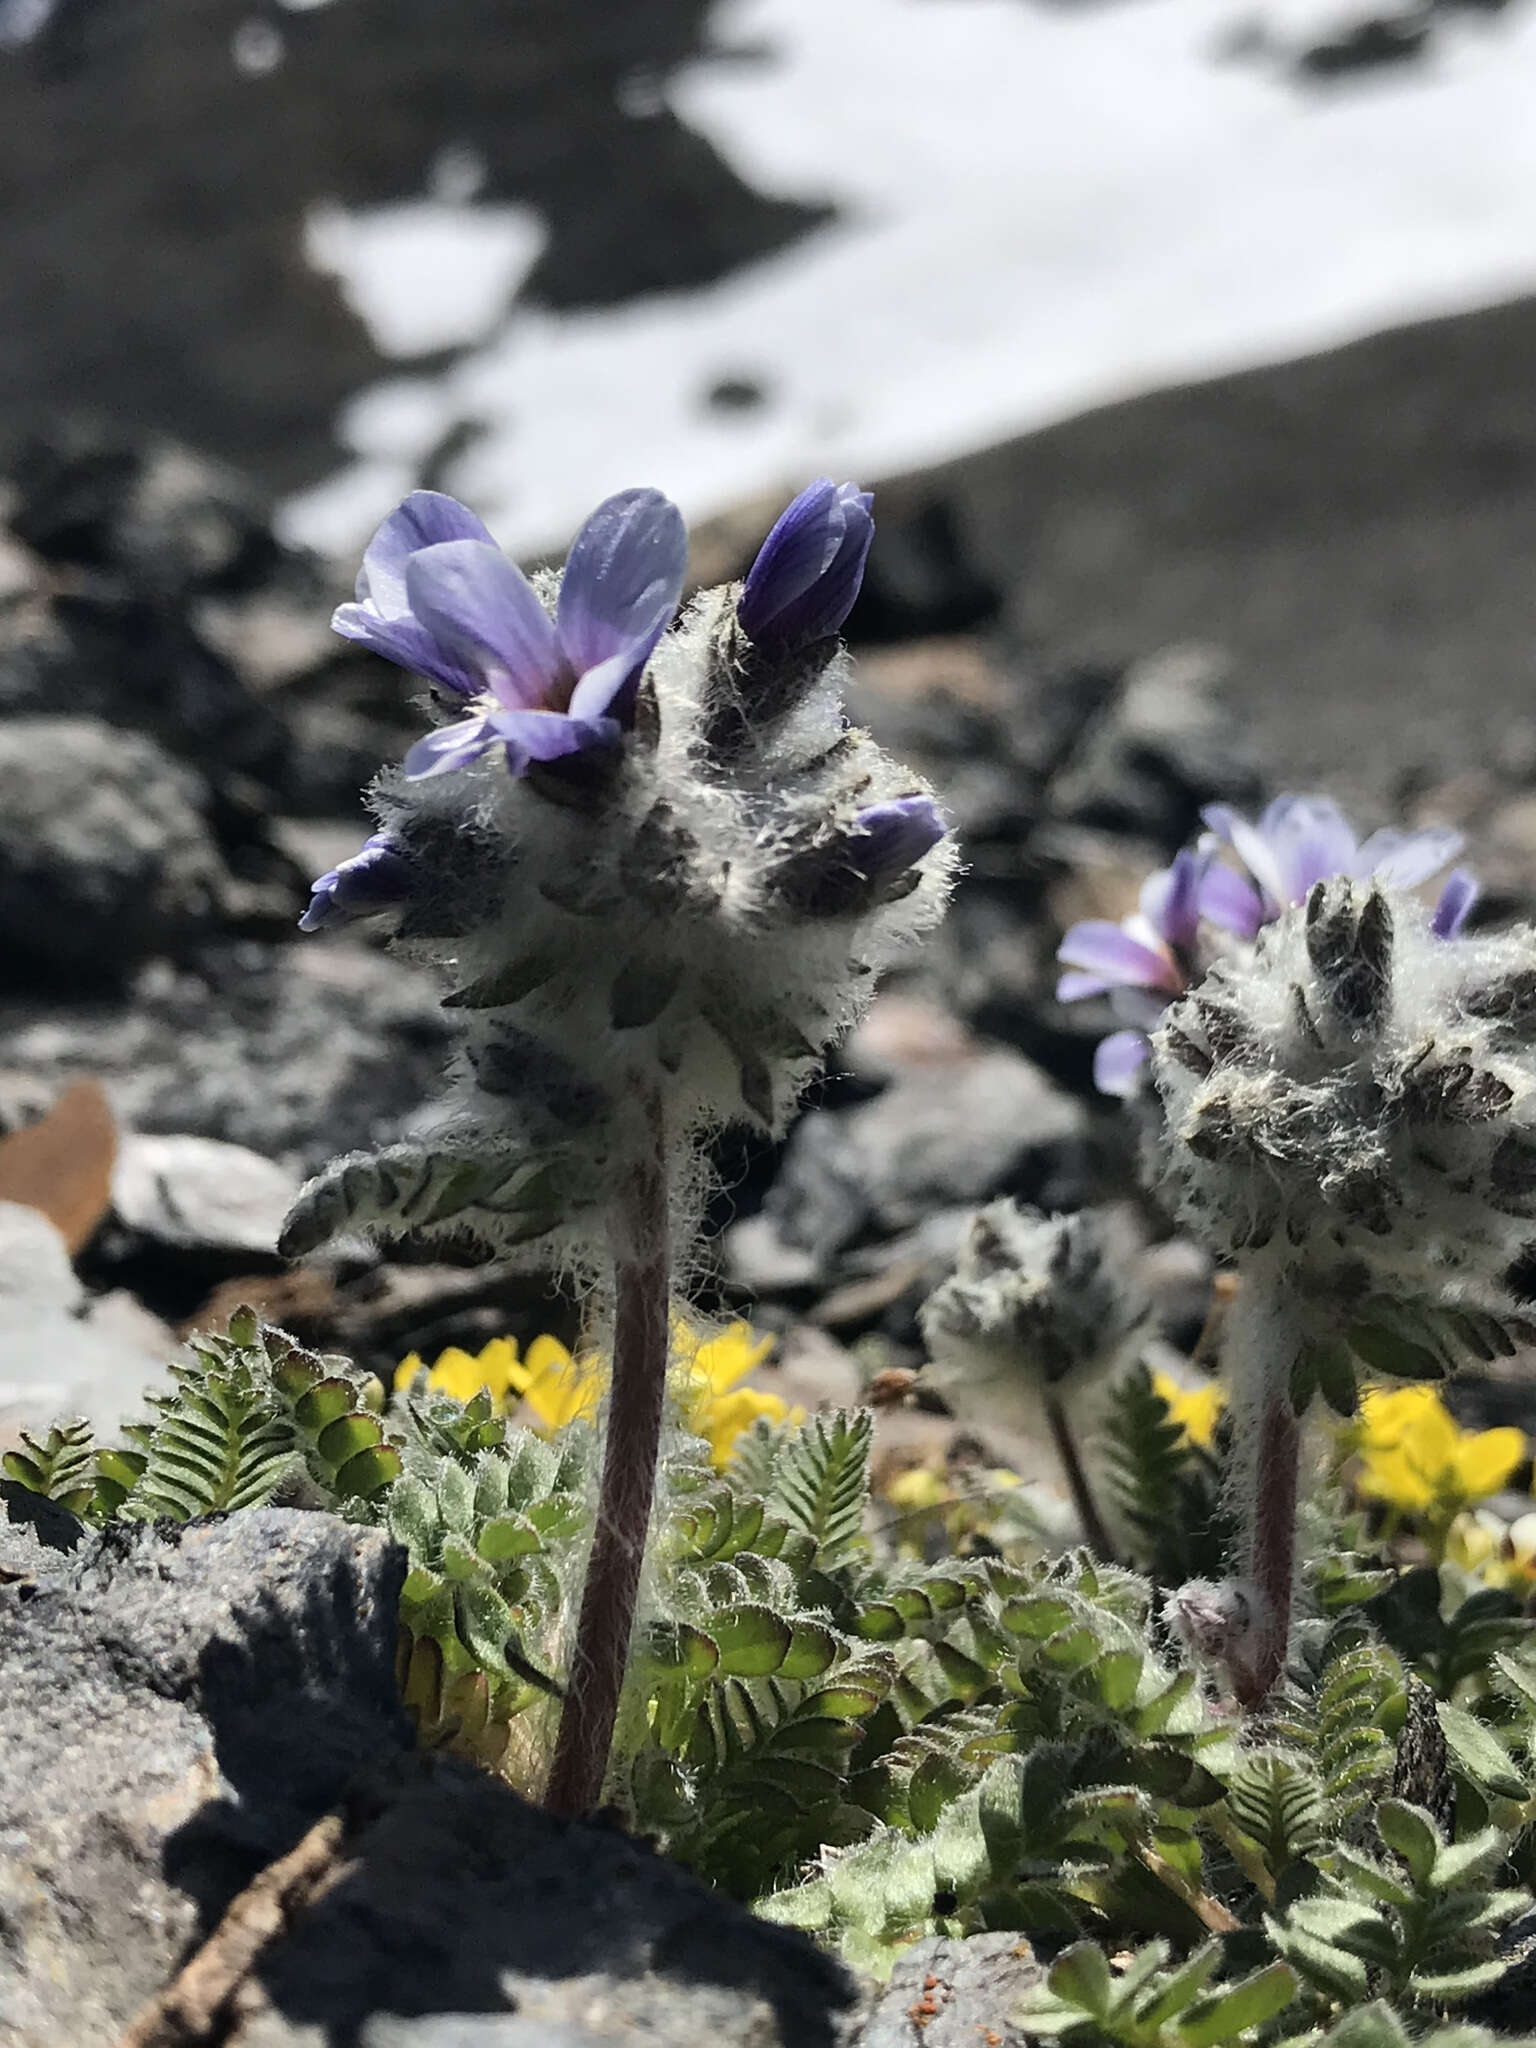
656,866
1352,1108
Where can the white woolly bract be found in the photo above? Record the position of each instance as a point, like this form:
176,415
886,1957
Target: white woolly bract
674,922
1357,1099
1037,1304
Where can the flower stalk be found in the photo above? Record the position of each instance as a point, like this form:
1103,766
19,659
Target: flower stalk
641,1330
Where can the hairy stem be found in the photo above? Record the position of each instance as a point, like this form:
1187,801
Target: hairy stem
642,1272
1268,1442
1094,1532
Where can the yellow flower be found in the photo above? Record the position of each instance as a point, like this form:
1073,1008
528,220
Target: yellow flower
919,1487
456,1372
1416,1457
1194,1410
556,1387
559,1388
706,1373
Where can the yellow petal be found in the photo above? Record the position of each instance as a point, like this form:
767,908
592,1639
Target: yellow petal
498,1366
1390,1476
456,1373
1484,1461
564,1391
407,1370
546,1354
1386,1416
1194,1410
729,1414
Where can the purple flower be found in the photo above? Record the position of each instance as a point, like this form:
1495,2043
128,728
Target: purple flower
1141,964
438,596
891,837
377,877
808,571
1304,839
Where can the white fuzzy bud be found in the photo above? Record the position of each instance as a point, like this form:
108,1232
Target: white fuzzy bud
1352,1109
1037,1305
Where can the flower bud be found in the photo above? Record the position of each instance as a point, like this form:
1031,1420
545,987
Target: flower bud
807,573
377,877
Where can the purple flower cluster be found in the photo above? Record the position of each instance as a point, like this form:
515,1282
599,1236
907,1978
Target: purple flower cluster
436,595
1147,959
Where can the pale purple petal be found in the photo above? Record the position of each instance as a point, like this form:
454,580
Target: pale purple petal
599,687
1231,901
419,521
1076,987
1170,900
1104,948
450,747
550,735
406,641
1118,1062
1311,840
482,608
623,578
1456,901
1252,849
1405,859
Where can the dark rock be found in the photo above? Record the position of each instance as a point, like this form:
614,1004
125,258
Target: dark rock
136,661
177,1706
943,1136
1163,745
954,1994
297,1052
105,858
463,1900
162,516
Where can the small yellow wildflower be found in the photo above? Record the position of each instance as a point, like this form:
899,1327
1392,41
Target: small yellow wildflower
917,1488
558,1389
1195,1410
705,1381
456,1372
1416,1457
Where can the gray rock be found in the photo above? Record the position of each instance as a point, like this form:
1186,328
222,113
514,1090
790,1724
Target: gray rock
943,1136
298,1052
176,1707
179,1706
195,1193
105,859
954,1994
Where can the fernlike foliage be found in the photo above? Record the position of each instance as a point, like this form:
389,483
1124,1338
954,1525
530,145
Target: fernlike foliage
873,1749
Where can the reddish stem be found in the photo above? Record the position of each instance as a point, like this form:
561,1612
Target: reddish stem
1094,1532
641,1334
1272,1548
